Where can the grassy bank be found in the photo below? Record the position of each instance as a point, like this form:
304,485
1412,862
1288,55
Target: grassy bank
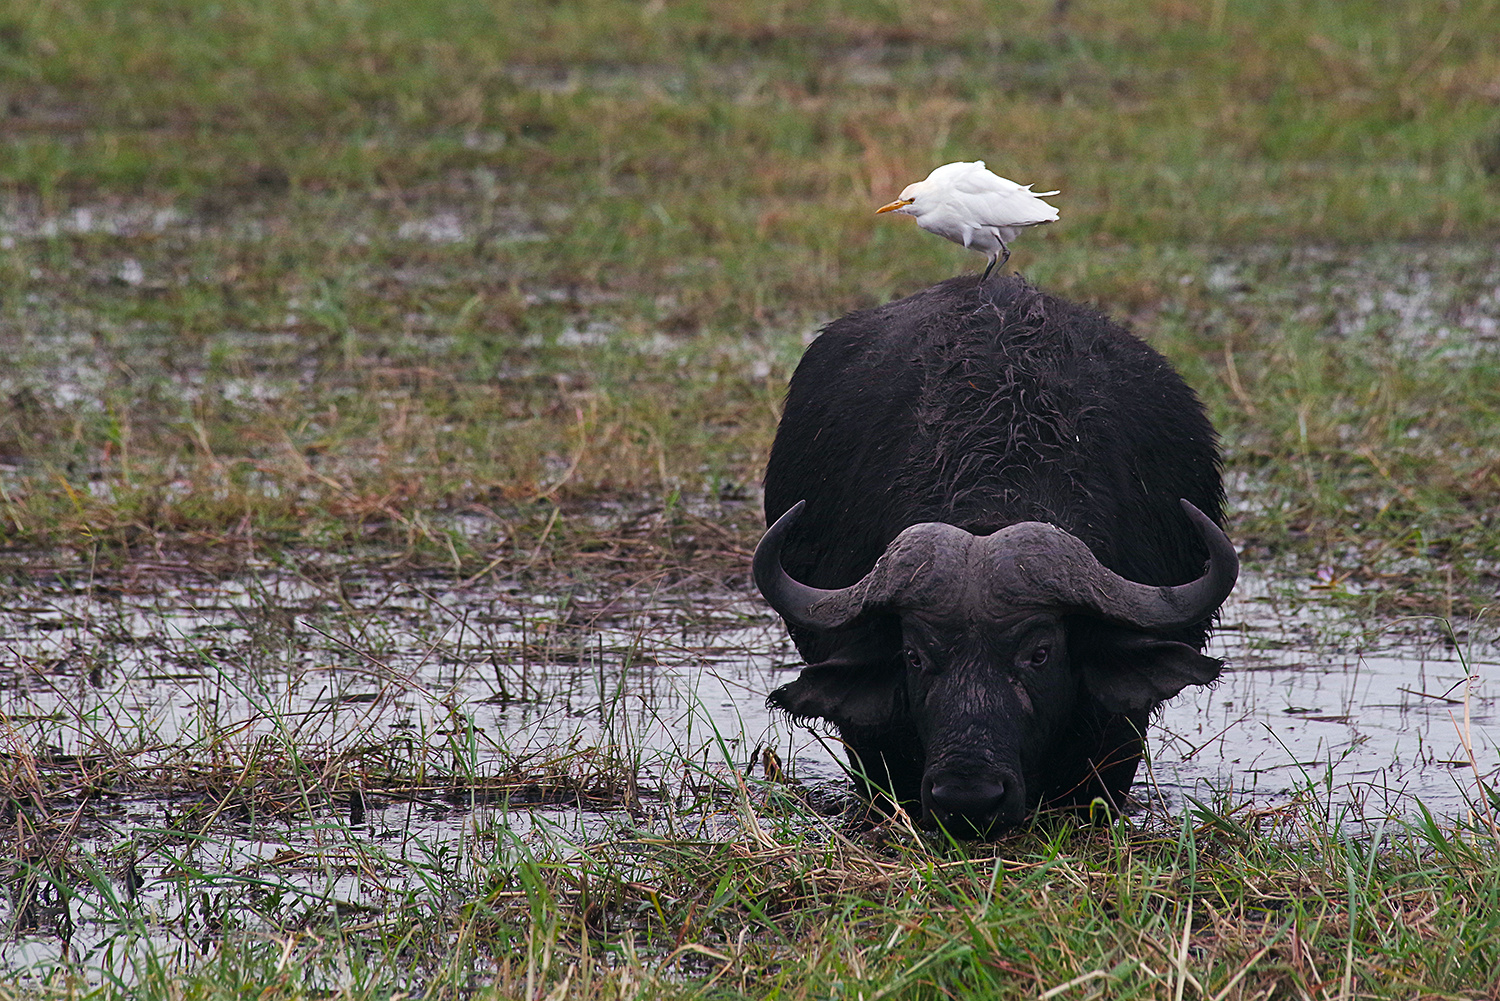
292,273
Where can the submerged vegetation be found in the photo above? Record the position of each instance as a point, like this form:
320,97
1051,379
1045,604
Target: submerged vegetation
314,781
505,296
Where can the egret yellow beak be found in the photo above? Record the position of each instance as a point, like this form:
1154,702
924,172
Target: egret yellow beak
893,206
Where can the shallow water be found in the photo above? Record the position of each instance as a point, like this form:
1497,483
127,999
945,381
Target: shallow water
1316,706
176,692
1307,689
618,712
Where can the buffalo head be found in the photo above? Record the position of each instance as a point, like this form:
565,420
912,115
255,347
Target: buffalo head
985,679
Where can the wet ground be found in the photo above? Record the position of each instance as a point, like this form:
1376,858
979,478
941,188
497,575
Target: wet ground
347,738
1312,698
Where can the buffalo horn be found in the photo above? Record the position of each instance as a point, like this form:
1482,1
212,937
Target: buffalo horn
794,601
1029,563
902,571
1064,572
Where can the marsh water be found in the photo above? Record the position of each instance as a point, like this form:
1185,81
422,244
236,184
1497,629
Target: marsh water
432,723
1312,699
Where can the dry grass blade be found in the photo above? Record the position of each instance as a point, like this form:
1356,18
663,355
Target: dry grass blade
1077,981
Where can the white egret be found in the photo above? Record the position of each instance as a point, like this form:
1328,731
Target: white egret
974,207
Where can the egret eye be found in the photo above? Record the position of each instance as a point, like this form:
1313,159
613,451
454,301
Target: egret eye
1040,655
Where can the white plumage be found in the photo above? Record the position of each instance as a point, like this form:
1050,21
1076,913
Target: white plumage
974,207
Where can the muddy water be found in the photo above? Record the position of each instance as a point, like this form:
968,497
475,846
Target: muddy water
1359,719
612,713
471,679
646,704
1310,691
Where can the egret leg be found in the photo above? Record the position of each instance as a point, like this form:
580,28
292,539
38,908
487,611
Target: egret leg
1001,261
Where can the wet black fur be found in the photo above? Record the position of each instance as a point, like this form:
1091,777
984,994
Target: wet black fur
982,405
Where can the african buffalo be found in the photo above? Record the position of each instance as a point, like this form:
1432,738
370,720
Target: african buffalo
991,514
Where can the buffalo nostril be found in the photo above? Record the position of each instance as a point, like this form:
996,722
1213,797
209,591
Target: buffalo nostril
972,807
968,799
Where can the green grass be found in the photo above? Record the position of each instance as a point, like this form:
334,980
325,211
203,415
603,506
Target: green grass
1230,903
640,212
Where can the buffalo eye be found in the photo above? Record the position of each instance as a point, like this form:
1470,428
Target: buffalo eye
1040,654
918,663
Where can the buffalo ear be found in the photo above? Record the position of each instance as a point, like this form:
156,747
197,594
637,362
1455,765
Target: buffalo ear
1130,672
851,696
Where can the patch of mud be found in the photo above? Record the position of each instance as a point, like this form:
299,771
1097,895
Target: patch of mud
122,219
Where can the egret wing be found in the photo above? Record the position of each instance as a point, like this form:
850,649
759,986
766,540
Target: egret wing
993,200
979,181
948,173
1016,207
